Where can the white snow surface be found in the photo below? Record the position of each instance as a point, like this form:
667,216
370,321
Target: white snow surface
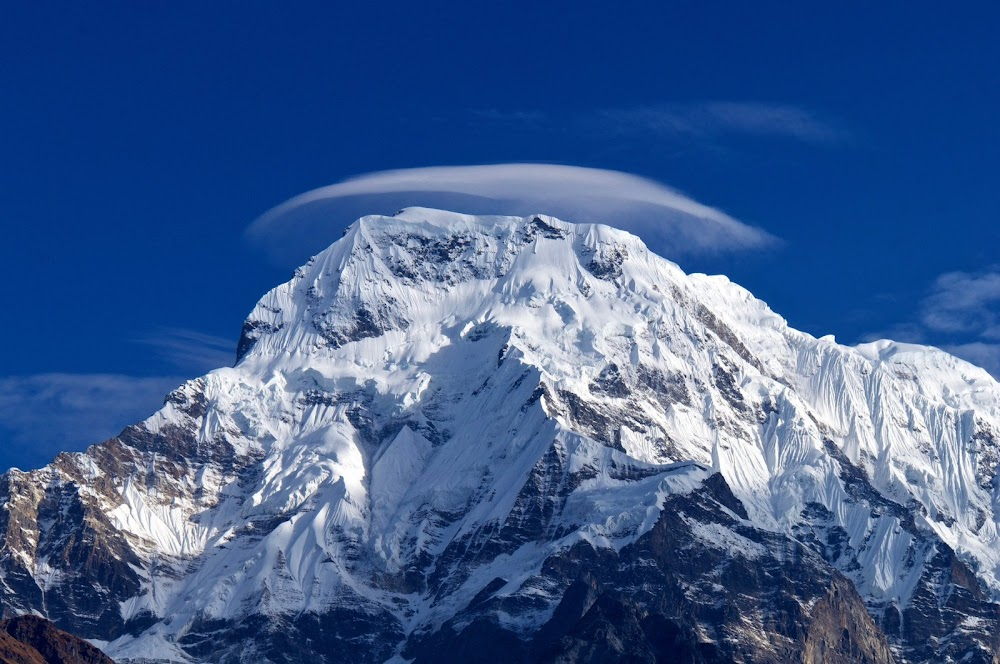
475,332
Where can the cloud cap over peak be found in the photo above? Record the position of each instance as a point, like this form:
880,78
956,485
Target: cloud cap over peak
667,220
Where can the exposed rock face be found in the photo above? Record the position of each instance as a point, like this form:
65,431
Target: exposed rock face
452,438
32,640
842,631
703,585
13,651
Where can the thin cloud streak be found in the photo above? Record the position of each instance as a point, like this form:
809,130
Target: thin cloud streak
668,220
964,302
190,351
45,414
960,314
710,120
707,122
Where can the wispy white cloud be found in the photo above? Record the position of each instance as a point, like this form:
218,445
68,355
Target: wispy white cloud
982,354
45,414
964,302
706,122
669,221
190,351
712,120
960,314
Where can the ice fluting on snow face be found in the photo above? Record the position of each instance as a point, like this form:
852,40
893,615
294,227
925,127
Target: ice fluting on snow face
439,406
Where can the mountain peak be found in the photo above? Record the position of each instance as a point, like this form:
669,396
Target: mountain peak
387,273
447,430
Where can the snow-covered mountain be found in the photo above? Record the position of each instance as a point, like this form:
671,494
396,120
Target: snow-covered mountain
458,438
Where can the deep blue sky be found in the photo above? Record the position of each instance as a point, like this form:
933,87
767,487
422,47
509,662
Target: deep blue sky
139,140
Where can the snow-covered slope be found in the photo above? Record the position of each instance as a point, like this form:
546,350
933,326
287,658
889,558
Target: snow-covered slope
439,410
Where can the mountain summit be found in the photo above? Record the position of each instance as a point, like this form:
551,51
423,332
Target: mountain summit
460,438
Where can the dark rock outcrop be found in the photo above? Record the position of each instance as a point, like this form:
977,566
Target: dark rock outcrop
703,586
29,639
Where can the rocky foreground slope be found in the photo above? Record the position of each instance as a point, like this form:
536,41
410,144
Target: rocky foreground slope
29,639
456,438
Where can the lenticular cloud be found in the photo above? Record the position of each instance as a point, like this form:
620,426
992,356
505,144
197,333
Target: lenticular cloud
667,220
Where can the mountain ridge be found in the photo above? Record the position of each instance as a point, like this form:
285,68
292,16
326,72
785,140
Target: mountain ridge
446,422
29,639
